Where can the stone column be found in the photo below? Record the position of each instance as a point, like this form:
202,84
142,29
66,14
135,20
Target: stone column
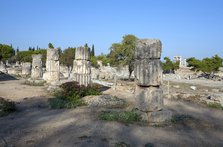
26,68
148,77
82,66
37,70
52,66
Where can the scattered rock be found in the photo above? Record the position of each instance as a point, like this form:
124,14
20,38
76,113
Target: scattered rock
176,86
193,87
104,101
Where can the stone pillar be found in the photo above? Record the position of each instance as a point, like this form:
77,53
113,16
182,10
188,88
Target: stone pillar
82,66
148,77
26,68
37,70
52,66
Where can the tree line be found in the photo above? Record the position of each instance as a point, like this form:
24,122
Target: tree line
120,54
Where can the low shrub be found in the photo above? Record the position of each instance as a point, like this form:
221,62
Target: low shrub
125,116
215,106
6,107
70,95
35,83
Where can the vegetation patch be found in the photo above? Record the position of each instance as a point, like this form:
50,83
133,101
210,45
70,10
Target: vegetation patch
121,144
124,116
181,118
6,107
35,83
215,106
71,94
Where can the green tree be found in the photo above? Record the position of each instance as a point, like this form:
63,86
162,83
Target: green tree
6,52
123,53
207,65
50,45
92,51
170,66
67,56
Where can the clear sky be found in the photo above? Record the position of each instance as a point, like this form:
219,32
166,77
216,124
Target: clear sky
185,27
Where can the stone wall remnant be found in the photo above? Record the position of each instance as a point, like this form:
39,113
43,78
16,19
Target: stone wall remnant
148,77
37,70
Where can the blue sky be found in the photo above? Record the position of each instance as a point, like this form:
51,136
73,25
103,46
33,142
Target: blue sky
185,27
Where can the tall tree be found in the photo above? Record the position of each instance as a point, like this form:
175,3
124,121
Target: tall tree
68,56
50,45
123,53
170,66
207,65
92,50
6,52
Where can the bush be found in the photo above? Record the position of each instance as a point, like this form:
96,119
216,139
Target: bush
6,107
71,94
126,116
215,105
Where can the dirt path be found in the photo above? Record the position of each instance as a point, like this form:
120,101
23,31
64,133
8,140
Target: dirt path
36,125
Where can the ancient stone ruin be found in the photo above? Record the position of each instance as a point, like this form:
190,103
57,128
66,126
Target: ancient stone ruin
148,74
3,68
26,68
82,66
37,70
52,66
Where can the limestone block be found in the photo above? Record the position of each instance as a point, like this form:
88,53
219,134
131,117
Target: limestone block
37,70
148,98
148,49
52,54
82,53
3,68
95,73
26,68
159,116
81,67
148,72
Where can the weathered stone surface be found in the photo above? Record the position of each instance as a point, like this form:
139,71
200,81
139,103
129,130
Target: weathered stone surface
149,98
3,68
52,54
81,67
82,79
159,116
148,49
26,68
82,53
37,71
65,71
107,101
52,66
95,73
148,72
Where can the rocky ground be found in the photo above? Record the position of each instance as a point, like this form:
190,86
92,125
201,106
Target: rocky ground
35,124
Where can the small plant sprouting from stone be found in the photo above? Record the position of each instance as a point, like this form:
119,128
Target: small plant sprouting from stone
125,116
70,95
6,107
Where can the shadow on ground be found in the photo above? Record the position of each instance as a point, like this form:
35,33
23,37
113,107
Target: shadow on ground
34,124
6,77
